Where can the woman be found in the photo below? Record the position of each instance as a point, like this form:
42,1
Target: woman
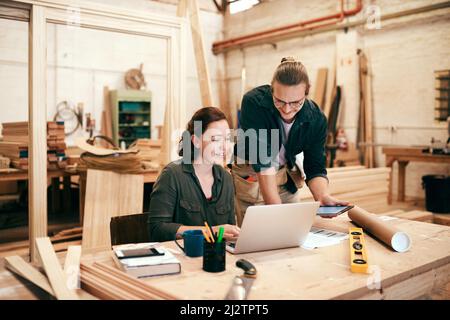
196,188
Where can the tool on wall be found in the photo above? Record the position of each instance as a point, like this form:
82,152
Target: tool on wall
358,253
240,288
134,79
90,124
71,115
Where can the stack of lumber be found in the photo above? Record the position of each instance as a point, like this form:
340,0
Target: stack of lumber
56,146
63,281
149,151
14,144
4,162
420,215
59,282
366,188
109,283
17,152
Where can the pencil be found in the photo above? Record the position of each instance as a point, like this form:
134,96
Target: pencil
210,232
206,235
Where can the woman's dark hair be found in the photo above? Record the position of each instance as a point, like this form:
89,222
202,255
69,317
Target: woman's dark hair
204,116
290,73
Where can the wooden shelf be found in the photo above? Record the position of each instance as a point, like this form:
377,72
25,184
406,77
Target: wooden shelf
134,112
134,106
134,125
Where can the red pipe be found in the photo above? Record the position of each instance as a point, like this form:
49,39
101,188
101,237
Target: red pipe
221,45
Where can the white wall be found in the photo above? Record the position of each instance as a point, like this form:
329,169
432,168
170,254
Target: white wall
82,61
403,55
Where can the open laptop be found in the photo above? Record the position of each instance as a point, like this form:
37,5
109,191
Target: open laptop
276,226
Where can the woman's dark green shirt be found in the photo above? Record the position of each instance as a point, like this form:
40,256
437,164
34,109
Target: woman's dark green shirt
177,199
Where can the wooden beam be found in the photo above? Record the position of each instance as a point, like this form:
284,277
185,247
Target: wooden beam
199,53
401,180
182,8
368,115
37,126
19,266
113,280
72,266
106,128
135,282
320,86
53,270
330,91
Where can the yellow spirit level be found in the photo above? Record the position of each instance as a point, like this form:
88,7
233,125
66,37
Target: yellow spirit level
358,254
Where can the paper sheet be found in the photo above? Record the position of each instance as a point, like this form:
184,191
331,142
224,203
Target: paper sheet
318,238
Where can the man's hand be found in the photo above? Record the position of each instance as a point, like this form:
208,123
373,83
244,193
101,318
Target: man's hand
328,200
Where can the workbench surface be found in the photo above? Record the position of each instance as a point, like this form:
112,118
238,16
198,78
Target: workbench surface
297,273
323,273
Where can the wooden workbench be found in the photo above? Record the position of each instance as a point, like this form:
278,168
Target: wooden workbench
22,175
53,176
404,155
323,273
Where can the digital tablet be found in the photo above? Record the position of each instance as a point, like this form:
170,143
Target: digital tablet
332,210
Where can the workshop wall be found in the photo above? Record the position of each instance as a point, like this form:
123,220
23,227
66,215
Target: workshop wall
403,55
82,61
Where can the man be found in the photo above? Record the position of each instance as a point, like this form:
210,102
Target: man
280,110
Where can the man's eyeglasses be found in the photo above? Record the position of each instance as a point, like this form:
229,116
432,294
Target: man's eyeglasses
294,104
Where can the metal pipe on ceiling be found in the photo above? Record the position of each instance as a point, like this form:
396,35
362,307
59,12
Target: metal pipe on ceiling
266,35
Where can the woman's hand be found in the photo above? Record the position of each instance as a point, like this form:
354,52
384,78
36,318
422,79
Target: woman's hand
230,232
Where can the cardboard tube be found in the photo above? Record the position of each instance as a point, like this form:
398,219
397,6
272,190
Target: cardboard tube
396,239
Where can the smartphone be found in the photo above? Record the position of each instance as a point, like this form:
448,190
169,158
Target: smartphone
332,211
138,253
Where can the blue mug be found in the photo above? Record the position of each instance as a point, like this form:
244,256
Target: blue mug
193,243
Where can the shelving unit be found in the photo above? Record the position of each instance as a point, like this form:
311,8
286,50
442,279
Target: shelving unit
131,115
442,100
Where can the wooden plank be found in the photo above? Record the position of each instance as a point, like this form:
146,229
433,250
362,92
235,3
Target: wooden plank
72,266
137,283
443,219
37,121
12,13
393,212
368,114
19,266
107,109
103,289
344,169
55,274
112,279
331,90
182,8
359,172
416,215
401,180
199,53
320,85
108,194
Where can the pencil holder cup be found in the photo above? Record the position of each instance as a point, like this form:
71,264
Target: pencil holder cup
214,256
